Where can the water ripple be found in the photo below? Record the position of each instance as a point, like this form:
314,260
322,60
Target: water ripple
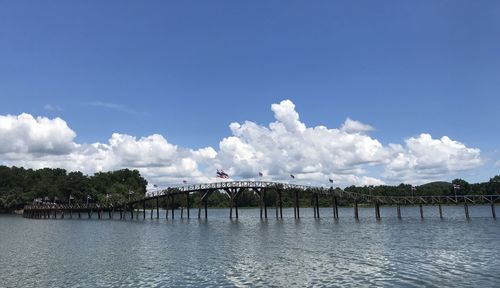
253,252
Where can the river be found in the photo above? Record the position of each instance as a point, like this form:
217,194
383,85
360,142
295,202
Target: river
220,252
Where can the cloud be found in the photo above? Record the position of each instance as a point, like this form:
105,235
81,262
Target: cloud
348,155
23,134
50,107
113,106
425,158
353,126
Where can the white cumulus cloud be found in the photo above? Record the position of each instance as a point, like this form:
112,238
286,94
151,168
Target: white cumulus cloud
347,154
424,158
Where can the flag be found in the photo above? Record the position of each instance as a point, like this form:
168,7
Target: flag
107,196
293,176
130,192
222,174
71,197
154,185
456,186
413,188
261,174
330,179
88,197
56,199
184,181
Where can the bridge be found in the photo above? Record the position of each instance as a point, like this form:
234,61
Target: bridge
233,189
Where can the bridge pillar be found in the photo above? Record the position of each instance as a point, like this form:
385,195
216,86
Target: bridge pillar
356,214
314,205
172,206
493,213
276,205
466,210
335,208
377,211
157,209
236,202
264,197
440,211
206,207
131,211
421,211
143,209
166,207
297,214
280,203
187,204
261,202
317,205
399,211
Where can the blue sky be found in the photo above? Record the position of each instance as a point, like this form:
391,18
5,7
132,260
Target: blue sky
187,69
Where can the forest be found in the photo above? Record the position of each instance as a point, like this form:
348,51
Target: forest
19,186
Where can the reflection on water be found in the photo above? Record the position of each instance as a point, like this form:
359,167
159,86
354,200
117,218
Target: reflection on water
254,252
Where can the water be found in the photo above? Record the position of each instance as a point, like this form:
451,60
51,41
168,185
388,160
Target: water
250,252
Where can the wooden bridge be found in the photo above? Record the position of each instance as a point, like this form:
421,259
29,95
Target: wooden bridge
260,188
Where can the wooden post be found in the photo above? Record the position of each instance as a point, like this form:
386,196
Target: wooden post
265,203
298,206
144,209
421,211
157,209
466,210
131,211
261,203
187,204
276,205
493,213
356,214
281,203
199,207
70,213
440,211
206,207
377,211
236,202
172,207
79,215
294,206
335,208
399,211
231,204
121,216
317,205
152,208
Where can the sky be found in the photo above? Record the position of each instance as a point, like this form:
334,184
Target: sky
360,92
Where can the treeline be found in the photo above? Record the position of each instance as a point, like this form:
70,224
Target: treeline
492,187
19,186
